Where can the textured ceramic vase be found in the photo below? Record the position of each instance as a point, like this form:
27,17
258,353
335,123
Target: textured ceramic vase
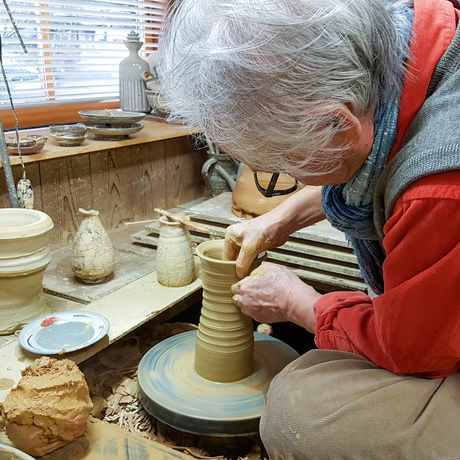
92,252
225,339
175,262
24,256
132,86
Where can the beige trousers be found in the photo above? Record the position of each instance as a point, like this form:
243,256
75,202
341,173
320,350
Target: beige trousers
335,405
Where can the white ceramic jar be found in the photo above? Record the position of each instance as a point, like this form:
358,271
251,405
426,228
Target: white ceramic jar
175,262
24,256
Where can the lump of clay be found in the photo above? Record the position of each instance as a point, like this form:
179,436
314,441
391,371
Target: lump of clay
49,407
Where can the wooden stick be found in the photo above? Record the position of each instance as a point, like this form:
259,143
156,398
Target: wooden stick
172,216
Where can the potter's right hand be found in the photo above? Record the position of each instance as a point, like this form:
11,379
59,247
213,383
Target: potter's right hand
246,240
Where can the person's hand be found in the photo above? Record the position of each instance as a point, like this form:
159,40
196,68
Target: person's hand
272,293
246,240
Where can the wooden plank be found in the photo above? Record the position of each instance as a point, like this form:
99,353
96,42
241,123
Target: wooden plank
135,170
60,280
107,441
174,183
159,177
218,210
339,283
66,186
315,263
187,174
108,186
124,184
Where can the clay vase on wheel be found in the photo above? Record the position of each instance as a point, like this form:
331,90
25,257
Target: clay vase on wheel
24,256
225,340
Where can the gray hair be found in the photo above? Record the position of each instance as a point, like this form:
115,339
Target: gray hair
265,79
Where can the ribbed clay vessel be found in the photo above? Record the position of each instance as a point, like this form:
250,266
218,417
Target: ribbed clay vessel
225,340
24,256
175,262
92,251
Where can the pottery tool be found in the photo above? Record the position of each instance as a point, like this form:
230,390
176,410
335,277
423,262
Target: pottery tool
180,219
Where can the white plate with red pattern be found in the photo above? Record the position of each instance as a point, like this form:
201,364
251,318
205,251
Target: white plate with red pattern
63,332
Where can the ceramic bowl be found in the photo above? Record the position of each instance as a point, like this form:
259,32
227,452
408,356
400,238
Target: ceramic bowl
11,453
69,135
158,103
30,144
113,133
111,117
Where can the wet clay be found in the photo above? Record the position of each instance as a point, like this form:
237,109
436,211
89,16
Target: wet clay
48,408
225,339
248,202
24,256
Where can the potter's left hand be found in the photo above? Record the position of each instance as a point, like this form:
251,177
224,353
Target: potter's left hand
272,293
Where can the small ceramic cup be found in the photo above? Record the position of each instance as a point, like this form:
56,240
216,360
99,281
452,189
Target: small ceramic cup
69,135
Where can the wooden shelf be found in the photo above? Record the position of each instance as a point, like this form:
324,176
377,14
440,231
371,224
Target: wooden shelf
155,129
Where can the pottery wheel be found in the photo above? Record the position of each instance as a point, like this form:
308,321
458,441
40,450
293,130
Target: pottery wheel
171,390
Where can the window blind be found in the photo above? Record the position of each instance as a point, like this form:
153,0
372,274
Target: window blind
74,48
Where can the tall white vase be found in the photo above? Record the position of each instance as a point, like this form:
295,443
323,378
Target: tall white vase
132,86
24,256
175,262
92,252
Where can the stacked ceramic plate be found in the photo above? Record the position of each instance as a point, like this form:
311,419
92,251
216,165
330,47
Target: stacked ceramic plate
111,125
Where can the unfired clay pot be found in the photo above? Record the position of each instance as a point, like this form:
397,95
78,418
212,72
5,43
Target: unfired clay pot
225,339
248,202
24,256
175,262
92,252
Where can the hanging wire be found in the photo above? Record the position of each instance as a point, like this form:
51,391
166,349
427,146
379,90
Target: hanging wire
23,197
16,124
15,28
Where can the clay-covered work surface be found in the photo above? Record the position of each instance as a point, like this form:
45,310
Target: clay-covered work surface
60,280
